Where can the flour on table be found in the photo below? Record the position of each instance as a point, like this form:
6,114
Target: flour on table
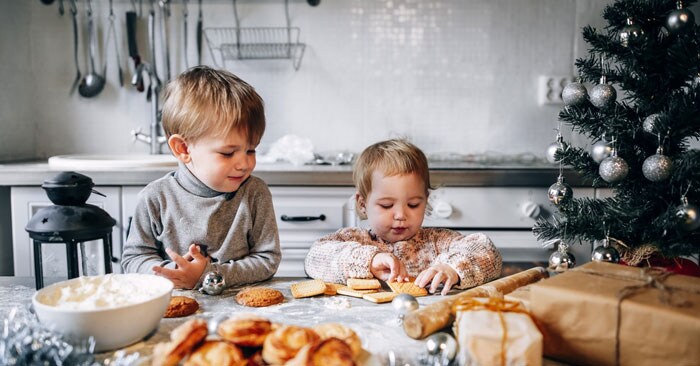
336,303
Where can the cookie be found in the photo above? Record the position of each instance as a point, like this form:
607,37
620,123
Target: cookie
331,351
180,306
332,288
216,353
380,297
183,340
245,330
364,283
407,288
345,334
259,297
354,293
284,343
308,288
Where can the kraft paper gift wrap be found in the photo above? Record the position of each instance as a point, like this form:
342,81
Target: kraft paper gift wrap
480,335
658,323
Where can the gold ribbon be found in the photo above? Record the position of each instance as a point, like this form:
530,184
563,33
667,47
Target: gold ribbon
497,305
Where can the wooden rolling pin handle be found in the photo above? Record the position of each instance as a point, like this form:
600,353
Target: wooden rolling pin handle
434,317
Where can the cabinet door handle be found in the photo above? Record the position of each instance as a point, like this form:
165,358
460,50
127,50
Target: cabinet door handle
286,218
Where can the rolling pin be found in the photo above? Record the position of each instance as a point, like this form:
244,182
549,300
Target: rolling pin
428,320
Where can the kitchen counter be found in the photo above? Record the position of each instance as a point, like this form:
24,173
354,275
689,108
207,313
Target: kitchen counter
454,174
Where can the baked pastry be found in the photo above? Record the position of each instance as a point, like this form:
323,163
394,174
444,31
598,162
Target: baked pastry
307,288
180,306
364,283
259,296
408,288
345,334
327,352
183,340
283,344
216,353
245,330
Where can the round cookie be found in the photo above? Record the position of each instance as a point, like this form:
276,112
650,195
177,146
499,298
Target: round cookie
259,297
245,330
181,306
216,353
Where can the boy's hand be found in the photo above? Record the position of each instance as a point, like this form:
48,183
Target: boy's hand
436,275
386,267
188,272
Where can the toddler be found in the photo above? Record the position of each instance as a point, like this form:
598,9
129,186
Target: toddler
393,183
213,121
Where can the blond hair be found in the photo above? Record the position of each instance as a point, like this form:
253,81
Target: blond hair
203,101
391,157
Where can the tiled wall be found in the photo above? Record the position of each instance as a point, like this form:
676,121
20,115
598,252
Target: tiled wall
453,75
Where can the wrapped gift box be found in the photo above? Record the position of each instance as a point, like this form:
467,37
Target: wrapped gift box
577,312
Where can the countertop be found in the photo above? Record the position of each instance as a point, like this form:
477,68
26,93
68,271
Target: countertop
284,174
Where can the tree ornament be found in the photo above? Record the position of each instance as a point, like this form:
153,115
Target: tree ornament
404,304
560,192
688,214
601,150
441,347
630,33
613,169
680,20
603,95
213,283
650,123
605,253
574,93
553,147
657,168
561,260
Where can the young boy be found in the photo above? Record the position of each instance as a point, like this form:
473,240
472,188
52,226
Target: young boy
213,121
393,184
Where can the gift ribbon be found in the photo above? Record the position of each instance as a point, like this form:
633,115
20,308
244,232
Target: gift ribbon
497,305
652,278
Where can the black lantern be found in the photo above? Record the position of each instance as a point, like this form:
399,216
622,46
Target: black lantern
70,221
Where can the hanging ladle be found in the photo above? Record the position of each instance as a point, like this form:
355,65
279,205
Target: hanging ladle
93,83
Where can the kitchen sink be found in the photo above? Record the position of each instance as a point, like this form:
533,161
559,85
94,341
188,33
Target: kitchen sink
110,161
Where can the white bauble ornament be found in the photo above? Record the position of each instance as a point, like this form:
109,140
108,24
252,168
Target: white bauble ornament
613,169
601,150
657,168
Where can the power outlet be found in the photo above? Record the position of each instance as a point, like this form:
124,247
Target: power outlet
549,89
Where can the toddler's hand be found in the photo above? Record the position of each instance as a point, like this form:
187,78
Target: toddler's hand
386,267
436,275
188,272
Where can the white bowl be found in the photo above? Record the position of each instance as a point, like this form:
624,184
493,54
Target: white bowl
79,307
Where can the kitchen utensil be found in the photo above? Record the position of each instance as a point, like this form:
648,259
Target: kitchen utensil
47,2
74,14
164,39
112,34
93,83
313,2
199,35
155,80
131,18
185,13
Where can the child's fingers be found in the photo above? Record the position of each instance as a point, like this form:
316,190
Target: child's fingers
424,277
196,253
448,285
178,259
437,280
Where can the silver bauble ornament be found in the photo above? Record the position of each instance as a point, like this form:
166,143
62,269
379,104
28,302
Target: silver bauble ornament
441,347
213,283
551,150
649,124
560,191
657,168
561,260
603,95
630,33
680,20
404,304
605,253
574,94
613,169
601,150
689,216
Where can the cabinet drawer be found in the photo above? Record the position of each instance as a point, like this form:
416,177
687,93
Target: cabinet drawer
311,208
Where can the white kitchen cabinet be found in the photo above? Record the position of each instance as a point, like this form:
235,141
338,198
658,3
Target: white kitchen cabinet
26,201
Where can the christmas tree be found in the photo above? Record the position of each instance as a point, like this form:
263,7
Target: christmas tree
641,140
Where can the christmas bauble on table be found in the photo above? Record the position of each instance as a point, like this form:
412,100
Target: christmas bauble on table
657,168
574,94
404,304
441,347
680,20
613,169
213,283
601,150
630,33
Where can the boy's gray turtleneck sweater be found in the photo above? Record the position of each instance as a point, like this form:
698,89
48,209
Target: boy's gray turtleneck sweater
177,210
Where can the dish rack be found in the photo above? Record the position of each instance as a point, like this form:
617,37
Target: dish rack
255,43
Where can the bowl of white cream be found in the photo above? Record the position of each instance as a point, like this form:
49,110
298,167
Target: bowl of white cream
116,309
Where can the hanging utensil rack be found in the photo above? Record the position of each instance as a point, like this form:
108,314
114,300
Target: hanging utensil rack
255,43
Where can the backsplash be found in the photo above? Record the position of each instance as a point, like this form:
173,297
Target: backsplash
453,75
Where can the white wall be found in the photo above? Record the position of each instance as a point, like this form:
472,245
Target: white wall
454,75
